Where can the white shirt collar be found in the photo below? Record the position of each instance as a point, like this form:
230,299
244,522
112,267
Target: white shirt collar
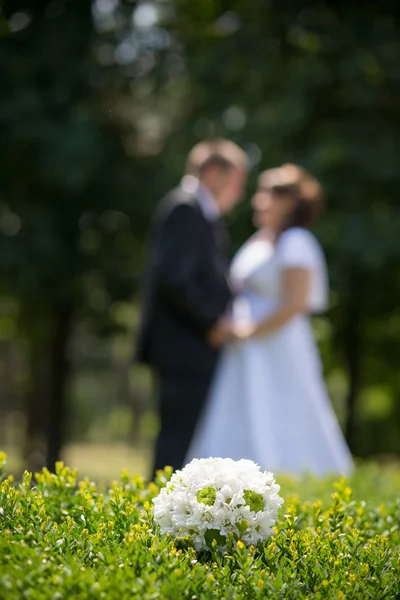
205,199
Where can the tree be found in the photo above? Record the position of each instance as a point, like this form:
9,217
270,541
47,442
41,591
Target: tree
67,242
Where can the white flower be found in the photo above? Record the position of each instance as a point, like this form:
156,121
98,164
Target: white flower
216,498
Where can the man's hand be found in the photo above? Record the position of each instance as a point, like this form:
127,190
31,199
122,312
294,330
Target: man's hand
220,333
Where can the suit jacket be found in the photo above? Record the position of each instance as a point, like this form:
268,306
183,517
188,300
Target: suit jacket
186,289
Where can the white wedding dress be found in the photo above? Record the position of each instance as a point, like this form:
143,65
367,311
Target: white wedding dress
268,402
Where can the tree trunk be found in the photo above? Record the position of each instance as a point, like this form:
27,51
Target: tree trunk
353,358
59,372
35,411
6,391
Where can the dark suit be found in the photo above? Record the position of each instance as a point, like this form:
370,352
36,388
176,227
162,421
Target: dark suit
186,292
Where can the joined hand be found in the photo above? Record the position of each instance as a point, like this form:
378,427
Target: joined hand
225,330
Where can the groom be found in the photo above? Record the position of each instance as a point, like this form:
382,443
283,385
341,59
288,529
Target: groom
186,293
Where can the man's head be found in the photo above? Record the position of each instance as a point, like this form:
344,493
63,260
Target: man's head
222,167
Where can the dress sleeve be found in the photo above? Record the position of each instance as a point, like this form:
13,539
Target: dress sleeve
297,248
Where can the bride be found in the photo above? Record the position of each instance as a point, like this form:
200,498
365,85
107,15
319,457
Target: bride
268,401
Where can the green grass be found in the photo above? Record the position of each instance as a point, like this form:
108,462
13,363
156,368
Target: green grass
100,462
104,463
63,538
372,482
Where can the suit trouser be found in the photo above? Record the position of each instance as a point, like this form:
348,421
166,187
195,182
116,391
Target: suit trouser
181,401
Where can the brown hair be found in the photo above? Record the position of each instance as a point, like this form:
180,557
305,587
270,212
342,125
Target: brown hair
298,183
213,151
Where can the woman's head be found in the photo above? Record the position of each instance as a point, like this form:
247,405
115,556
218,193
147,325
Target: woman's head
287,197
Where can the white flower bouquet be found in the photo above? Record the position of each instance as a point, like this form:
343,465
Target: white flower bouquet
219,499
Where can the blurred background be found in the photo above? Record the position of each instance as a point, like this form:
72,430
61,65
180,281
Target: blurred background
99,104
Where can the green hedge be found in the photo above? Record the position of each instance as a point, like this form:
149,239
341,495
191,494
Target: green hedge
63,538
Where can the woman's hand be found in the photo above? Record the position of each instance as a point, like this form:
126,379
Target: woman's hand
243,330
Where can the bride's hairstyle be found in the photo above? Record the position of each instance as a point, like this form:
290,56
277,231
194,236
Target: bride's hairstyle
298,183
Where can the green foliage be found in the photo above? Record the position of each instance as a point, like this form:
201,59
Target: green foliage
64,538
